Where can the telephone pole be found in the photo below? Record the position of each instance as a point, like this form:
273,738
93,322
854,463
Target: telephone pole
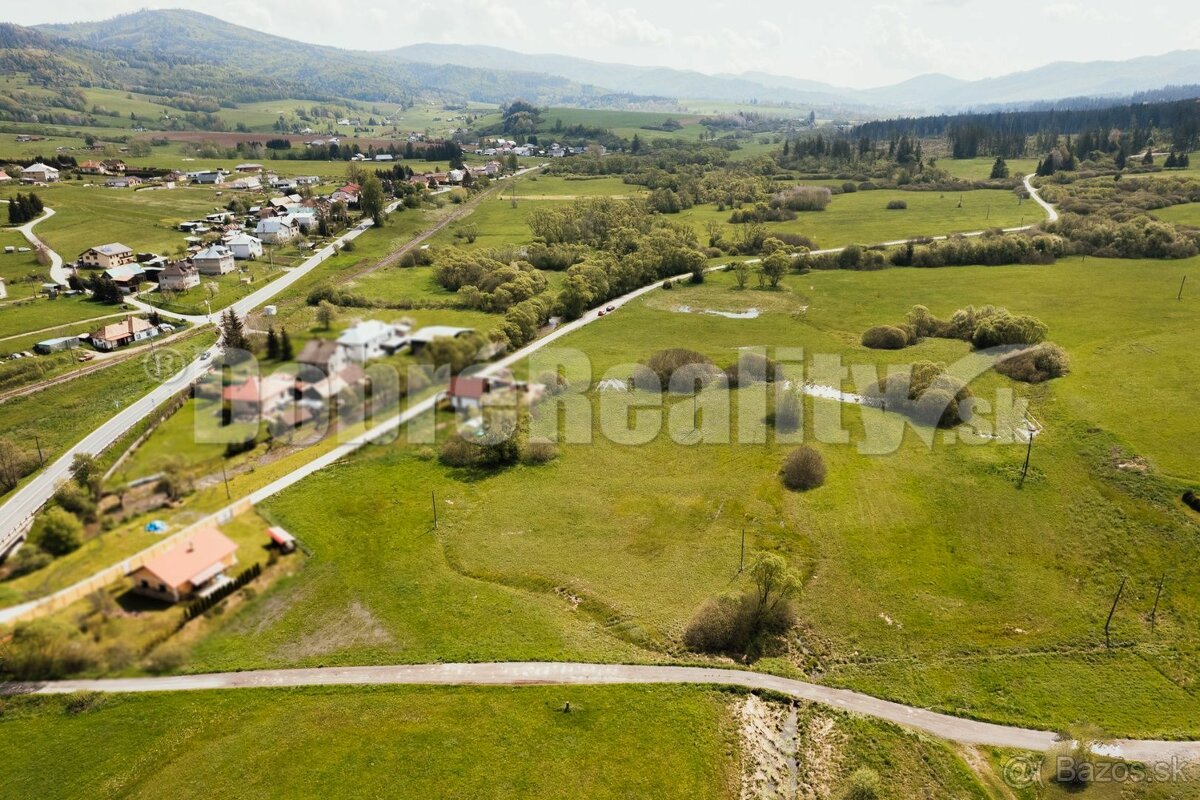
742,558
1181,283
225,477
1028,453
1113,610
1157,594
433,504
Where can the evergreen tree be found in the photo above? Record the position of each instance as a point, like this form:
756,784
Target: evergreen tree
1170,162
272,343
1000,168
233,334
1149,157
285,346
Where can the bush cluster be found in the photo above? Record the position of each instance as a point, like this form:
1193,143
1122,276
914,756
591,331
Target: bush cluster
926,393
1036,364
803,469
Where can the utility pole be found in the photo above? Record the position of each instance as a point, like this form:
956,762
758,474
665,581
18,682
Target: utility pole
1157,594
742,559
1181,283
41,458
1113,610
225,477
433,503
1028,453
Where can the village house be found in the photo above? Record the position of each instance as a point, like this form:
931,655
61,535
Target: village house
208,176
467,393
323,355
127,277
5,177
246,183
194,567
248,168
372,339
178,277
106,256
92,168
39,173
123,182
214,260
277,230
119,334
257,399
347,194
421,338
114,166
245,247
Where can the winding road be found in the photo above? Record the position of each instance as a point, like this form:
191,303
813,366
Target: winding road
955,729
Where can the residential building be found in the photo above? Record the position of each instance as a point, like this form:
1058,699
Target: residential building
212,176
421,338
106,256
347,194
245,247
123,182
256,399
127,277
39,173
5,177
248,168
178,277
370,339
214,260
323,354
92,168
191,568
246,183
277,230
119,334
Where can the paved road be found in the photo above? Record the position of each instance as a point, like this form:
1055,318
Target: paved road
1049,209
58,273
955,729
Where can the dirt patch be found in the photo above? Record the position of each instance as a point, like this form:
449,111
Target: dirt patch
791,752
355,626
1127,463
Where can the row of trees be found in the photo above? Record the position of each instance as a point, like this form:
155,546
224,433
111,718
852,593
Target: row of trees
24,208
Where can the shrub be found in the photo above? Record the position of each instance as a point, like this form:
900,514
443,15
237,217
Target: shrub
538,453
722,625
1005,328
30,558
802,198
885,337
1191,500
665,363
864,784
1036,364
849,187
645,379
59,532
803,469
788,413
692,377
752,368
47,649
897,205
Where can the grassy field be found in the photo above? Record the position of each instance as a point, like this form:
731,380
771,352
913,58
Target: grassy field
980,169
1185,214
910,591
489,742
35,314
864,218
23,276
144,220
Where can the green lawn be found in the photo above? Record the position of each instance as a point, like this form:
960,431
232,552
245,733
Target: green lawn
911,591
22,275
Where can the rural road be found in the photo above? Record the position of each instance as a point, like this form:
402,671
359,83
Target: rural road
944,726
57,273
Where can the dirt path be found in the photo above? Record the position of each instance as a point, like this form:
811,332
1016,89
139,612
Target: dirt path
955,729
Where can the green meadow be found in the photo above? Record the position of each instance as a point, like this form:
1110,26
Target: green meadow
930,575
420,742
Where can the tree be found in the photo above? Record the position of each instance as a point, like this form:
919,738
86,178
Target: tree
775,266
370,198
635,145
59,532
774,583
1148,159
14,465
326,314
788,413
1000,168
233,333
272,343
285,347
88,474
741,273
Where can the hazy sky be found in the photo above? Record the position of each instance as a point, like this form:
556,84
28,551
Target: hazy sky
852,42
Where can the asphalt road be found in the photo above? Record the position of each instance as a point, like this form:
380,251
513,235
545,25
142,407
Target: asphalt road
944,726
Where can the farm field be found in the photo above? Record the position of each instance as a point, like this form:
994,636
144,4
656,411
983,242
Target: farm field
23,276
1185,214
656,532
980,169
33,314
